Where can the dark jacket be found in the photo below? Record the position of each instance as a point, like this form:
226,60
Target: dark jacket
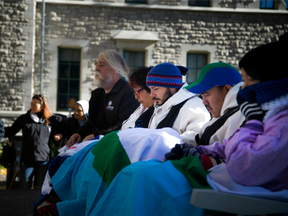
66,128
108,111
35,138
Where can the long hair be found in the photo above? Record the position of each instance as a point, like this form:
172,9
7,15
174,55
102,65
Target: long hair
116,61
46,111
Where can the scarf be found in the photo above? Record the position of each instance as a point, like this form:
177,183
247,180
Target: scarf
266,91
36,118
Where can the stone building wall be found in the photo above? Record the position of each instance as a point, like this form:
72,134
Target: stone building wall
225,34
231,34
16,56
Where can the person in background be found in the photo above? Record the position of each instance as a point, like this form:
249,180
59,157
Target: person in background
137,80
35,152
67,127
110,104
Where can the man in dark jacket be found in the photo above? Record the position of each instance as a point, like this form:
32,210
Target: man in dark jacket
111,103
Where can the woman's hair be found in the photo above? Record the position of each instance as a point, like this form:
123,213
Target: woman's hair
138,78
46,111
116,61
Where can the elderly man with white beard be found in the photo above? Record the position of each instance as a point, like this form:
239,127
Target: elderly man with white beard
111,103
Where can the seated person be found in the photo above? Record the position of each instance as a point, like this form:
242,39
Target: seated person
110,104
256,154
137,80
174,107
218,83
67,127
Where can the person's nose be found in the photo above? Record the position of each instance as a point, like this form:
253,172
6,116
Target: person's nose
97,68
152,94
205,101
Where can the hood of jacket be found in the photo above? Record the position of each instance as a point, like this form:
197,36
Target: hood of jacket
230,99
181,95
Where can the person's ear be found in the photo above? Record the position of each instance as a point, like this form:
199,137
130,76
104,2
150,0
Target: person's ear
227,88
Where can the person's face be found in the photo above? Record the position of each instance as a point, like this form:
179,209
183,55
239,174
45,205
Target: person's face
143,96
36,106
247,79
78,112
104,73
161,94
213,99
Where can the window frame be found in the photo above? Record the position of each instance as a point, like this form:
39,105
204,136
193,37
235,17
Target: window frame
265,3
199,3
196,68
134,67
69,79
136,2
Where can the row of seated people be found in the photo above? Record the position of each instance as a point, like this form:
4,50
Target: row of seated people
128,173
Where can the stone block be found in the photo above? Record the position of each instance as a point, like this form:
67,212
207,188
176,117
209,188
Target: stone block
55,19
170,51
4,17
4,51
22,7
80,23
3,65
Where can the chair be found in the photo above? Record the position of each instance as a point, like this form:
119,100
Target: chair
236,204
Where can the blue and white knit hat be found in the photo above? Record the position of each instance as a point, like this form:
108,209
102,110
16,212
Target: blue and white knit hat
166,75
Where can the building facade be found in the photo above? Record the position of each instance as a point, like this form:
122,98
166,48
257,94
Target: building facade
188,33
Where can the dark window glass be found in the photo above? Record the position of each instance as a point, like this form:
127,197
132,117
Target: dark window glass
68,77
267,4
136,1
195,63
134,59
199,3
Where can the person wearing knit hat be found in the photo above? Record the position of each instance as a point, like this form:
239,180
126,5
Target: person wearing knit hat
173,106
166,76
218,83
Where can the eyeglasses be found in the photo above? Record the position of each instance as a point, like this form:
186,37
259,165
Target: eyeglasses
137,92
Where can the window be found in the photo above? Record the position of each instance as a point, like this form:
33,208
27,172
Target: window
136,1
134,59
68,78
266,4
195,63
199,3
286,2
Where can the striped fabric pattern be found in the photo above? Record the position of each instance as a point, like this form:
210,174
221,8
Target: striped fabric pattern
166,75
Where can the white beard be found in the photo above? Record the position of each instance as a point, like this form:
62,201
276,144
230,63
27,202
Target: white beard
100,82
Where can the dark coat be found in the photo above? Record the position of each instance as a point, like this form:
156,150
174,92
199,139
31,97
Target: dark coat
108,111
66,128
35,138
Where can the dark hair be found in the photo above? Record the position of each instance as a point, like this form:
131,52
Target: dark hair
138,78
267,62
46,111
